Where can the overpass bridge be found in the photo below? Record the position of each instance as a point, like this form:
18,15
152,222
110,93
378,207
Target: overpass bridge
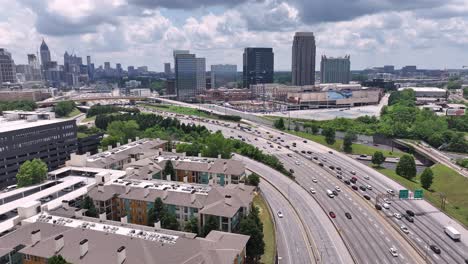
92,98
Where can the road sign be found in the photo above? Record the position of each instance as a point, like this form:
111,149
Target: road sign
418,194
403,194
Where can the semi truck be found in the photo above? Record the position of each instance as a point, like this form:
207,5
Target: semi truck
452,233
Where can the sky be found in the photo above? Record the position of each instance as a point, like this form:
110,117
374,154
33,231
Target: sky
431,34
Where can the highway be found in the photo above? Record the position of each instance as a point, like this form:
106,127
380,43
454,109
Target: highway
376,231
293,246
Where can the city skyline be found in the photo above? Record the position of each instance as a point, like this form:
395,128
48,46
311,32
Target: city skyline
423,34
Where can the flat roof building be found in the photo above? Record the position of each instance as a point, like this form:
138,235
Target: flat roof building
26,136
258,66
335,70
432,92
303,59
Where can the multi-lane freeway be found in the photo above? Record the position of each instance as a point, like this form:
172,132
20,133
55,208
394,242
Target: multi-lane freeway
368,234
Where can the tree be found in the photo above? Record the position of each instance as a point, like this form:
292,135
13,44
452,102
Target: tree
253,179
123,130
348,141
253,227
216,145
57,259
169,221
378,158
64,108
192,225
88,204
279,123
329,134
169,170
31,172
212,223
452,84
406,167
426,178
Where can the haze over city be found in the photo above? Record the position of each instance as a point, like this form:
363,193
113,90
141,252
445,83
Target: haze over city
429,34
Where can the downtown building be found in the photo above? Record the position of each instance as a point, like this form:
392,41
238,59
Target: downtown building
335,70
190,75
29,135
303,59
7,68
222,75
258,66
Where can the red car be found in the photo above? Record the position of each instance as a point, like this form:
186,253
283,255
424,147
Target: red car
332,214
354,187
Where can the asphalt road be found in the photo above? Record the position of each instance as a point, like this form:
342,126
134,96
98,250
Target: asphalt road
293,246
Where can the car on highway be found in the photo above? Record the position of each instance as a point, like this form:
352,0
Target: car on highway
386,206
363,188
291,170
353,172
335,193
354,187
339,172
339,176
46,199
394,252
297,163
404,229
332,167
348,215
366,177
331,152
332,214
435,248
347,182
369,187
320,164
256,139
309,152
312,190
367,197
330,194
378,207
338,168
409,212
303,152
315,158
314,180
305,141
68,189
386,200
353,180
289,155
390,191
338,189
280,214
397,215
409,218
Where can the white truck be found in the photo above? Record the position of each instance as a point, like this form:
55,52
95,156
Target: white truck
452,233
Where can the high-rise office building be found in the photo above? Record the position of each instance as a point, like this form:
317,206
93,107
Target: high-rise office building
107,66
90,67
45,55
190,75
7,67
258,66
118,68
222,74
167,68
303,59
335,70
72,68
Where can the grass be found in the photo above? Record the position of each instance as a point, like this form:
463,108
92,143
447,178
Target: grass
180,110
357,148
88,119
268,230
446,181
73,113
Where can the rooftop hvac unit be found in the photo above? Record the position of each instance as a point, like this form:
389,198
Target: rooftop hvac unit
12,117
32,118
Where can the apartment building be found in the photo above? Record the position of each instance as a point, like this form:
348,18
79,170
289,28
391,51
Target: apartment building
188,169
132,199
86,240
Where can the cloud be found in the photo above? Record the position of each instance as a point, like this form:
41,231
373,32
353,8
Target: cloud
184,4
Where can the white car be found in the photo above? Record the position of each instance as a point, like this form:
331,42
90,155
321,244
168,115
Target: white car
366,177
312,191
337,189
404,229
369,187
390,191
280,214
386,205
394,252
314,180
297,163
353,172
387,201
397,215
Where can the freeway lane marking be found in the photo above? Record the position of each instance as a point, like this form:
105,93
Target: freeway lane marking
381,232
386,238
435,256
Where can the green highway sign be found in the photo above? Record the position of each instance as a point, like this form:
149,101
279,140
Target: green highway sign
418,194
403,194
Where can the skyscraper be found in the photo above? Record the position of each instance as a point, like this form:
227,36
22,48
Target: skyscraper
303,59
167,68
7,67
258,66
190,74
222,74
35,67
107,66
335,70
45,55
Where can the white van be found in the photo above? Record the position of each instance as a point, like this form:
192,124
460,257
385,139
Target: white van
10,188
330,194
